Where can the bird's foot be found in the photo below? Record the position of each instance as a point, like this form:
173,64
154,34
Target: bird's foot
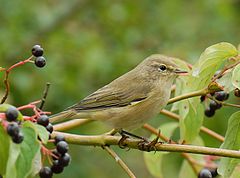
126,135
149,146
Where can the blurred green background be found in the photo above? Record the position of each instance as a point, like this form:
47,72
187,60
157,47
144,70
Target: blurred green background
88,43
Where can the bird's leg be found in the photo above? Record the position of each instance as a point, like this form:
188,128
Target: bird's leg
123,132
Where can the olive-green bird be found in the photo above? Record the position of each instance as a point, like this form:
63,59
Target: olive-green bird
130,100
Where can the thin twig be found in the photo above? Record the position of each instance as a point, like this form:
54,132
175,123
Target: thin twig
119,161
224,70
45,93
224,103
188,95
70,124
103,140
202,128
7,72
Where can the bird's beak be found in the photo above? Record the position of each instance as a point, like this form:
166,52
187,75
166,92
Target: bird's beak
180,72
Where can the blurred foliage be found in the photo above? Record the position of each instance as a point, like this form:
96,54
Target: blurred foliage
89,43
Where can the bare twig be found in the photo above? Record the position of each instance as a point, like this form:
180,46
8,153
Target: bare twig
203,129
45,93
70,124
119,161
6,81
188,95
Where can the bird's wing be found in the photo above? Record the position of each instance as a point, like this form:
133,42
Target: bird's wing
108,97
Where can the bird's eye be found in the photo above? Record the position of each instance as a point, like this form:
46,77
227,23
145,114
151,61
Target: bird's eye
162,67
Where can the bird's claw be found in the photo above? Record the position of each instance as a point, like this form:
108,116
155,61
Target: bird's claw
121,143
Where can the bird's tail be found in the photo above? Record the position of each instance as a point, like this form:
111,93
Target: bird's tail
64,115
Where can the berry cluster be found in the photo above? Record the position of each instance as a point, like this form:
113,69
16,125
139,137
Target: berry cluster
60,158
206,173
214,105
37,51
13,128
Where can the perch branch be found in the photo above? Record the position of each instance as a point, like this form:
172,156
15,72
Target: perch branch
103,140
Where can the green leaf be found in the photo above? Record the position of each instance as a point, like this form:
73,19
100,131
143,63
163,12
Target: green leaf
236,76
191,111
40,131
23,156
37,165
154,163
191,114
167,129
4,150
186,171
29,148
226,82
210,61
232,142
14,152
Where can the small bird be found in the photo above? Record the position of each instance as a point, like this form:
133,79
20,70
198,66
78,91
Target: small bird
130,100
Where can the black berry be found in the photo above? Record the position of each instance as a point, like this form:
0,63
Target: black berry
40,61
221,95
43,120
13,129
204,173
11,114
237,92
62,147
18,138
49,128
37,50
59,138
64,160
209,112
45,172
214,172
213,105
56,167
202,98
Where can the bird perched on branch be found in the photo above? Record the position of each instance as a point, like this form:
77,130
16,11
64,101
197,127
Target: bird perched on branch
130,100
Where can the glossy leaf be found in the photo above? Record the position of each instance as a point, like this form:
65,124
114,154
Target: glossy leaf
29,148
40,131
236,76
232,142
